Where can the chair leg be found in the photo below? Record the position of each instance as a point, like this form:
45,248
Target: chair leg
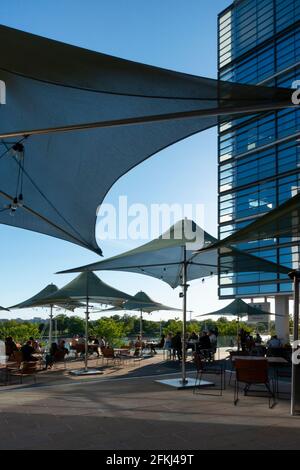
198,378
236,392
272,396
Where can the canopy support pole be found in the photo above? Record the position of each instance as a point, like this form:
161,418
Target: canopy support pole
50,326
184,295
86,327
295,391
141,330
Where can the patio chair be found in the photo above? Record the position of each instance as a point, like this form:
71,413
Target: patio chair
60,358
250,373
205,368
17,357
231,362
109,354
28,369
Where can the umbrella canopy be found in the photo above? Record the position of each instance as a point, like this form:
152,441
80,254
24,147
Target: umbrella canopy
164,257
42,299
238,308
98,116
88,286
141,302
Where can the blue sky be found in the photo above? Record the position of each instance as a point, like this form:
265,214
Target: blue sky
167,33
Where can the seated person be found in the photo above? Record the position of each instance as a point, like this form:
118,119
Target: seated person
204,341
94,346
35,344
57,353
74,342
28,351
10,347
81,339
51,356
138,346
192,341
274,342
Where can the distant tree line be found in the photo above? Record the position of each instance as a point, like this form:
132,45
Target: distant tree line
116,327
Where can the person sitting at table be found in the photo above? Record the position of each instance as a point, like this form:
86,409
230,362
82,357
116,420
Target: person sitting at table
28,351
35,344
138,345
94,346
10,347
274,342
192,341
81,339
51,356
74,342
258,339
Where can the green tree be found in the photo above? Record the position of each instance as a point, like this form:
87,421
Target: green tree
75,325
19,331
112,330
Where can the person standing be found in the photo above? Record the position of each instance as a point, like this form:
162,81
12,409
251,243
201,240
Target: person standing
177,346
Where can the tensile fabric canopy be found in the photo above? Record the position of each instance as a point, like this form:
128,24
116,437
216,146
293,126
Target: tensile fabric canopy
88,286
73,121
141,302
238,308
41,299
164,257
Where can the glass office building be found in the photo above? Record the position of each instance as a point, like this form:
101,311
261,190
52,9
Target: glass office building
259,157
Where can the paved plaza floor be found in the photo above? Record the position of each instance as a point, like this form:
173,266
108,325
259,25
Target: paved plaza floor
126,409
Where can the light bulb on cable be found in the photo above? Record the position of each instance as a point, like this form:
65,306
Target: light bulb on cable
20,200
18,150
13,207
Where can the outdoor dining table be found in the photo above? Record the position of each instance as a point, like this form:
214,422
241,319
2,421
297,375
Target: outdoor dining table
271,359
124,351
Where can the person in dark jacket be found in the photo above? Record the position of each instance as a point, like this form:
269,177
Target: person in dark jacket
10,346
204,341
27,351
177,345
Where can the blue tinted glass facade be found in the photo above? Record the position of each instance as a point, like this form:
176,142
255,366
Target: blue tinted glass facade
259,157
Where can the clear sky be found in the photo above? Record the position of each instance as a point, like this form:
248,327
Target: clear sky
174,34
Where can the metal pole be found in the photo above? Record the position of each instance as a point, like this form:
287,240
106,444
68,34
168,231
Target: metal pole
141,324
141,330
50,326
184,292
86,326
217,111
295,391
